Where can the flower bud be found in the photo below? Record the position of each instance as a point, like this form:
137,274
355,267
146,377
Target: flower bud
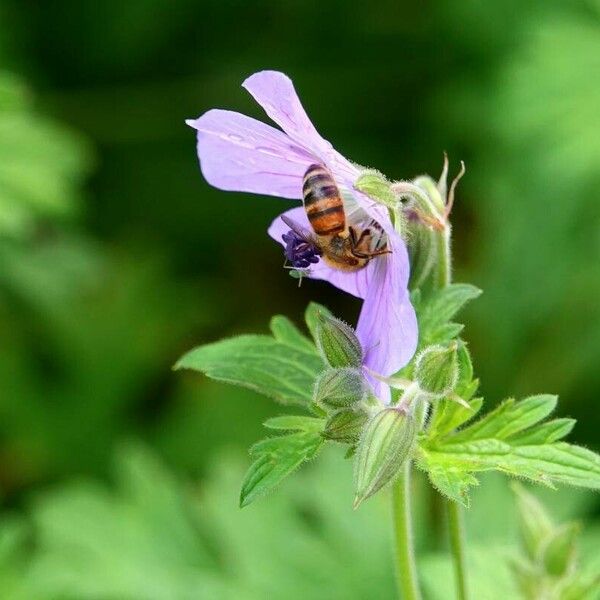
436,370
422,251
385,444
337,342
345,426
426,207
341,387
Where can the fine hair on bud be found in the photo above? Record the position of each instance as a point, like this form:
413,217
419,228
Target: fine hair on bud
340,387
386,443
345,425
337,342
437,370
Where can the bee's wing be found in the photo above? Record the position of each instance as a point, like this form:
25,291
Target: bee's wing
354,213
357,217
299,230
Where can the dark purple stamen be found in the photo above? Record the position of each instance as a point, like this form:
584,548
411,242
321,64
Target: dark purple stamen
299,252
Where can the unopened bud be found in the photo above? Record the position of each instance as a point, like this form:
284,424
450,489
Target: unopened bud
337,388
337,342
436,370
345,426
386,443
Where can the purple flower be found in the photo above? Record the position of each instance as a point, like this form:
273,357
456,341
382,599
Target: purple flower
239,153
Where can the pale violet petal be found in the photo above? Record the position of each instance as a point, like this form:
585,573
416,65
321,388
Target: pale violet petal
275,92
238,153
387,325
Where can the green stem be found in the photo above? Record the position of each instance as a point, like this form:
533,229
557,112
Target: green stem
406,570
456,528
455,515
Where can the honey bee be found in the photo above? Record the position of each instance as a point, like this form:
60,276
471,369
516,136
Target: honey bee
342,246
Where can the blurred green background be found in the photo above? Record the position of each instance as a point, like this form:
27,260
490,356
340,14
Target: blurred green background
118,478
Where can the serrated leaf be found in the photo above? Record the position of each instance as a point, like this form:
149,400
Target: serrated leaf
509,418
479,448
448,416
447,413
509,440
286,332
546,433
260,363
295,423
545,464
277,458
442,334
452,479
435,314
526,413
310,316
446,302
560,462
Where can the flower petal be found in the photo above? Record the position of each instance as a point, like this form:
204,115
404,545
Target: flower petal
387,325
275,92
238,153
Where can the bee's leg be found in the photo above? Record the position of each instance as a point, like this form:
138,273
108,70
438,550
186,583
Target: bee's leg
379,252
370,255
364,234
353,239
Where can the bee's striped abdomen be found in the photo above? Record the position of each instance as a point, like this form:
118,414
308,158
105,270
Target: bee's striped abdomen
323,202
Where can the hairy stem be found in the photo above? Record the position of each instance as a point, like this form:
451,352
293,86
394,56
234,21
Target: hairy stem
455,514
456,528
406,570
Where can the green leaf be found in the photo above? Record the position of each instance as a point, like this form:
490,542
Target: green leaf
526,413
508,439
42,163
535,524
311,316
560,463
261,363
448,415
454,484
435,314
295,423
546,433
276,459
559,553
286,332
451,474
546,464
510,418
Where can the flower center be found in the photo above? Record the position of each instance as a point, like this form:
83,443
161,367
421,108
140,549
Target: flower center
299,252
